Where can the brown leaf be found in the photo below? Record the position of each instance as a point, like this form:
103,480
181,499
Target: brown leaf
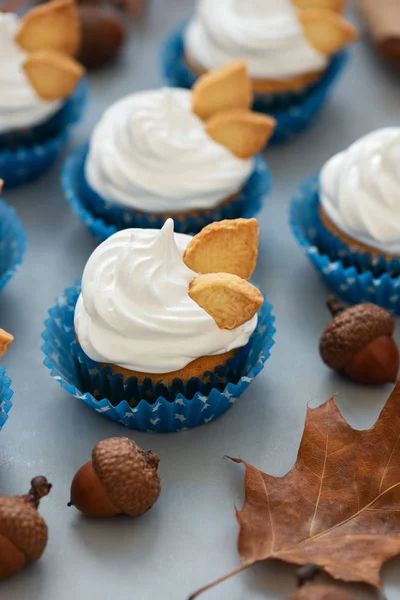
339,506
320,592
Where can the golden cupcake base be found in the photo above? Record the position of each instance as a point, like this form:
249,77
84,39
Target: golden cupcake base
351,242
269,86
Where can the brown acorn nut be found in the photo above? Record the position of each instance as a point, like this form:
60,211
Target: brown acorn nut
120,479
23,532
102,36
358,341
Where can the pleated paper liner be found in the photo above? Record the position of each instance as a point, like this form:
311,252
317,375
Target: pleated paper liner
12,243
293,111
103,218
149,407
6,394
351,276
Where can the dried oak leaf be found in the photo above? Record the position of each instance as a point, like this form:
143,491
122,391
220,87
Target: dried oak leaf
339,506
320,592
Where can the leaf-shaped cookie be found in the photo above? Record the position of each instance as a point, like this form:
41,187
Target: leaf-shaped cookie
335,5
338,507
327,31
229,246
5,340
227,87
51,26
230,300
243,132
51,74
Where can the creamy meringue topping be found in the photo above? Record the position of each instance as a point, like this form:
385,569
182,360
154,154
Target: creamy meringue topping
20,106
134,310
360,190
151,153
266,33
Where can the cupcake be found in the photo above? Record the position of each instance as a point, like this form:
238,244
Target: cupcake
12,242
5,390
358,191
348,214
164,319
41,95
173,153
292,50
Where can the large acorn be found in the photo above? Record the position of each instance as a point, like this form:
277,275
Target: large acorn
23,532
103,35
120,479
359,341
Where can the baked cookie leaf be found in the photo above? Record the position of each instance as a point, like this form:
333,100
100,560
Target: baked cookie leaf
335,5
228,299
243,132
227,87
229,246
327,31
5,340
51,26
52,75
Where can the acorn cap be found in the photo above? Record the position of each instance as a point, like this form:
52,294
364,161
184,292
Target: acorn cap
128,473
351,331
23,526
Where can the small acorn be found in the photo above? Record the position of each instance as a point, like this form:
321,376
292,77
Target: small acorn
359,342
23,532
120,479
102,35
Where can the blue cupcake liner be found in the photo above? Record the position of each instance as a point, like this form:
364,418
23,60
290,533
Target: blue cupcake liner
174,408
26,156
337,249
352,283
12,243
103,218
6,394
293,111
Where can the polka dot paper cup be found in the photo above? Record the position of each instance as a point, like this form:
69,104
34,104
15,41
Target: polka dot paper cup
6,394
352,280
12,243
150,407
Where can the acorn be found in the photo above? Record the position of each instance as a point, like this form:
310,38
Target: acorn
120,479
102,36
23,532
320,592
359,342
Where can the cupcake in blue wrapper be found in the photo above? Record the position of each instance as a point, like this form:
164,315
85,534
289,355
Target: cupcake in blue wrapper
6,392
165,332
12,243
347,219
192,156
291,63
41,93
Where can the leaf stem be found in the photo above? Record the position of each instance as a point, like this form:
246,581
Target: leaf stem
220,580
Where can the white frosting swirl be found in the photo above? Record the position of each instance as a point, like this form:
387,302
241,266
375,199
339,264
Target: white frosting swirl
20,106
134,310
360,190
151,153
266,33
